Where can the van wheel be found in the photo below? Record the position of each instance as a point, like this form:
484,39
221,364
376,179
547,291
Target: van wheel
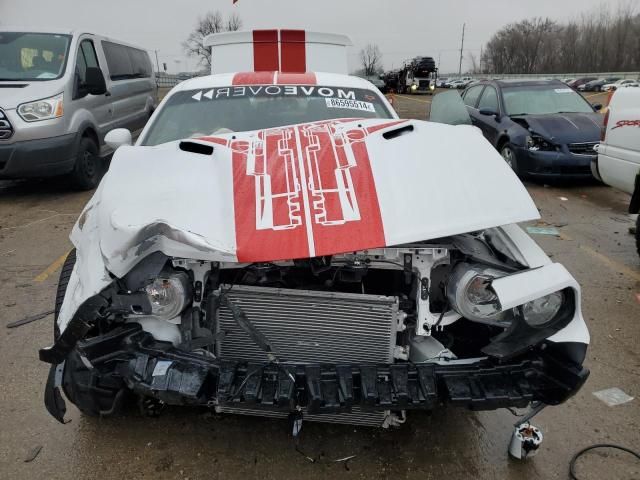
63,282
88,169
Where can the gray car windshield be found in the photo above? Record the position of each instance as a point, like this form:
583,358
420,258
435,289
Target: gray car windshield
32,56
543,100
197,113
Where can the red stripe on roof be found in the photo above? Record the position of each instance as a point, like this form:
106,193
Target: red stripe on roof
308,78
265,51
293,51
253,78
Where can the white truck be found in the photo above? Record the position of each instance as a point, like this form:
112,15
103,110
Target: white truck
618,162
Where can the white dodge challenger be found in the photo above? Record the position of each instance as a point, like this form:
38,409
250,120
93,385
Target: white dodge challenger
278,241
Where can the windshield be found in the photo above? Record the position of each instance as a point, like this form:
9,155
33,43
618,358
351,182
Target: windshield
543,100
198,113
32,56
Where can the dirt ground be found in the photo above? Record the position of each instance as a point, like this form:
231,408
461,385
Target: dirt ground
594,244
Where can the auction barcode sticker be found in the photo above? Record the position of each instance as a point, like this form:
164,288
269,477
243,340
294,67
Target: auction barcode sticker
350,104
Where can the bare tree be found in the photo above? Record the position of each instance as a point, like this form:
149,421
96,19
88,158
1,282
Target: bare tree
598,41
211,22
371,59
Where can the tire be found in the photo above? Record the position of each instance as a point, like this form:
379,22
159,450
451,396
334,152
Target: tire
89,167
63,282
509,155
638,234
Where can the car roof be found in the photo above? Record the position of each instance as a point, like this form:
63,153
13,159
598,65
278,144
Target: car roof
321,78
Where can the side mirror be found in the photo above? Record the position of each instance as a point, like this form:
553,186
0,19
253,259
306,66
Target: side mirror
597,107
489,112
95,83
117,138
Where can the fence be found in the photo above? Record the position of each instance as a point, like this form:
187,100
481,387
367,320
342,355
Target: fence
166,80
560,76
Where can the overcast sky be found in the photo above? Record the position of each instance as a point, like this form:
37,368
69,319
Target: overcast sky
401,28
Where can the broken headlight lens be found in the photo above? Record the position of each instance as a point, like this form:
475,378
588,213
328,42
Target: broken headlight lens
168,295
470,294
539,312
536,143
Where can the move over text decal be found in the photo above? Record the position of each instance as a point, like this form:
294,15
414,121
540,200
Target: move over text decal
304,191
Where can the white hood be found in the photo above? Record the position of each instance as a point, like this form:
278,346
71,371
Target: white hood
303,191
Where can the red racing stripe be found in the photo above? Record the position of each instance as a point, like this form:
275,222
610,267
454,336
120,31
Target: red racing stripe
293,51
253,78
308,78
304,191
265,51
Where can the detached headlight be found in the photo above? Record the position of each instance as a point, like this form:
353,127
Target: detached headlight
539,313
469,293
168,295
536,143
44,109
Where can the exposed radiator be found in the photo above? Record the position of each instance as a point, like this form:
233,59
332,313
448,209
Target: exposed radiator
310,326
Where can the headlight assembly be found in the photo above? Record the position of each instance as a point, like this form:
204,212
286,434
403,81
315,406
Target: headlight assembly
536,143
168,295
541,312
44,109
469,293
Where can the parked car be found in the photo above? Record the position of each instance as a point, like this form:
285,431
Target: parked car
617,84
618,160
459,83
441,82
541,128
251,253
568,80
597,85
60,92
581,81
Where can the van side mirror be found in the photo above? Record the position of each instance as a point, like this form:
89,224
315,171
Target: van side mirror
597,107
118,137
489,112
95,83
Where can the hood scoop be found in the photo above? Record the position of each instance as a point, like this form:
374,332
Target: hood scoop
195,147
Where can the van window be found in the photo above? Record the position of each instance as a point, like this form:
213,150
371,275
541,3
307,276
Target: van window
86,59
126,62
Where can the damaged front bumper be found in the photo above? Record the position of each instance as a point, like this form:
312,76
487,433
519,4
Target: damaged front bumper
101,369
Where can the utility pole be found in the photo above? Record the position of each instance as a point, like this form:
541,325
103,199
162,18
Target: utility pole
480,63
461,48
157,63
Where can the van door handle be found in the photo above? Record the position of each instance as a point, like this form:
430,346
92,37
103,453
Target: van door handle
107,93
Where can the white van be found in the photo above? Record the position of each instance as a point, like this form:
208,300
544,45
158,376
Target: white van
60,93
618,162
